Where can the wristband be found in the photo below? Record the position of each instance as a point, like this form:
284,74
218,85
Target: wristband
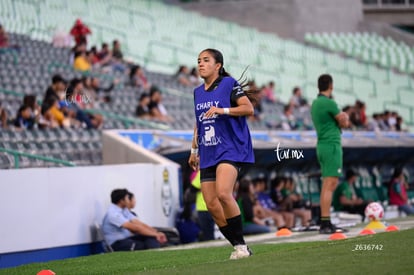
194,151
226,111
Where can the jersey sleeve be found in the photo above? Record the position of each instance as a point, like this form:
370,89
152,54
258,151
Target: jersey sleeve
236,93
333,108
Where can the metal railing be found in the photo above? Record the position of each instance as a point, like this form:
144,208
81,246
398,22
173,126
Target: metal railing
17,154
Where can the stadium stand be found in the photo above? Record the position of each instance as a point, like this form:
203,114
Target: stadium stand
158,36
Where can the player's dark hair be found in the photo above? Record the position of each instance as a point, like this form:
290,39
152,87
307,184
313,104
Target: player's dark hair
252,94
118,194
324,81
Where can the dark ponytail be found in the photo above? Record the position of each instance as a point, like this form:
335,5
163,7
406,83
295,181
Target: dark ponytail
252,94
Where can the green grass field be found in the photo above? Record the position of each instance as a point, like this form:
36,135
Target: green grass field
391,253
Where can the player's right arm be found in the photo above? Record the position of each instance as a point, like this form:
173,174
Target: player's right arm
343,120
193,160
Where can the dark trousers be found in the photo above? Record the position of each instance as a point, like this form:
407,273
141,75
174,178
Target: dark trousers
356,209
136,242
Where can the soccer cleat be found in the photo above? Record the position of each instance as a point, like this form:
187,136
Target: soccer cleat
331,229
240,251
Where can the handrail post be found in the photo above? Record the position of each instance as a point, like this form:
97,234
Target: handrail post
16,160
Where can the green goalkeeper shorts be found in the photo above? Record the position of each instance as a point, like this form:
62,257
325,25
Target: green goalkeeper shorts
330,159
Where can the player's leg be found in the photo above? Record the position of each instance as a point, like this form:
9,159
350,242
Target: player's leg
330,159
226,176
208,189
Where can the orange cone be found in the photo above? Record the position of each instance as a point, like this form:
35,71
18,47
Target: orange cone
337,236
46,272
367,232
392,228
284,232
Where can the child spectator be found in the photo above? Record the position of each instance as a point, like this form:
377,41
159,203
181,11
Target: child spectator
24,118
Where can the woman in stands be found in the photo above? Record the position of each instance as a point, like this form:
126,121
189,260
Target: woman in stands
221,144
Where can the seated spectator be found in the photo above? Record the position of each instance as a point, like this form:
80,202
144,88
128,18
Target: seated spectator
247,202
383,121
76,50
3,117
138,79
123,231
397,192
268,92
157,109
89,93
392,121
281,218
100,92
4,40
373,123
117,57
399,124
71,103
52,115
297,101
105,55
183,75
80,32
57,89
345,198
349,110
30,100
24,118
131,203
298,204
81,62
288,121
94,57
194,77
142,110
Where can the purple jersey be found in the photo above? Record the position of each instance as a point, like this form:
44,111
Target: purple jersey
221,137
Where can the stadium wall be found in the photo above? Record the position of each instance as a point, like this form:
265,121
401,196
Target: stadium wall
288,19
49,213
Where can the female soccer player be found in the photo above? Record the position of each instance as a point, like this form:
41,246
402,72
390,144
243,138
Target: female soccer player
221,144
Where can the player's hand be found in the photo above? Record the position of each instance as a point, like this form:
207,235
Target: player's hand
194,161
213,111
